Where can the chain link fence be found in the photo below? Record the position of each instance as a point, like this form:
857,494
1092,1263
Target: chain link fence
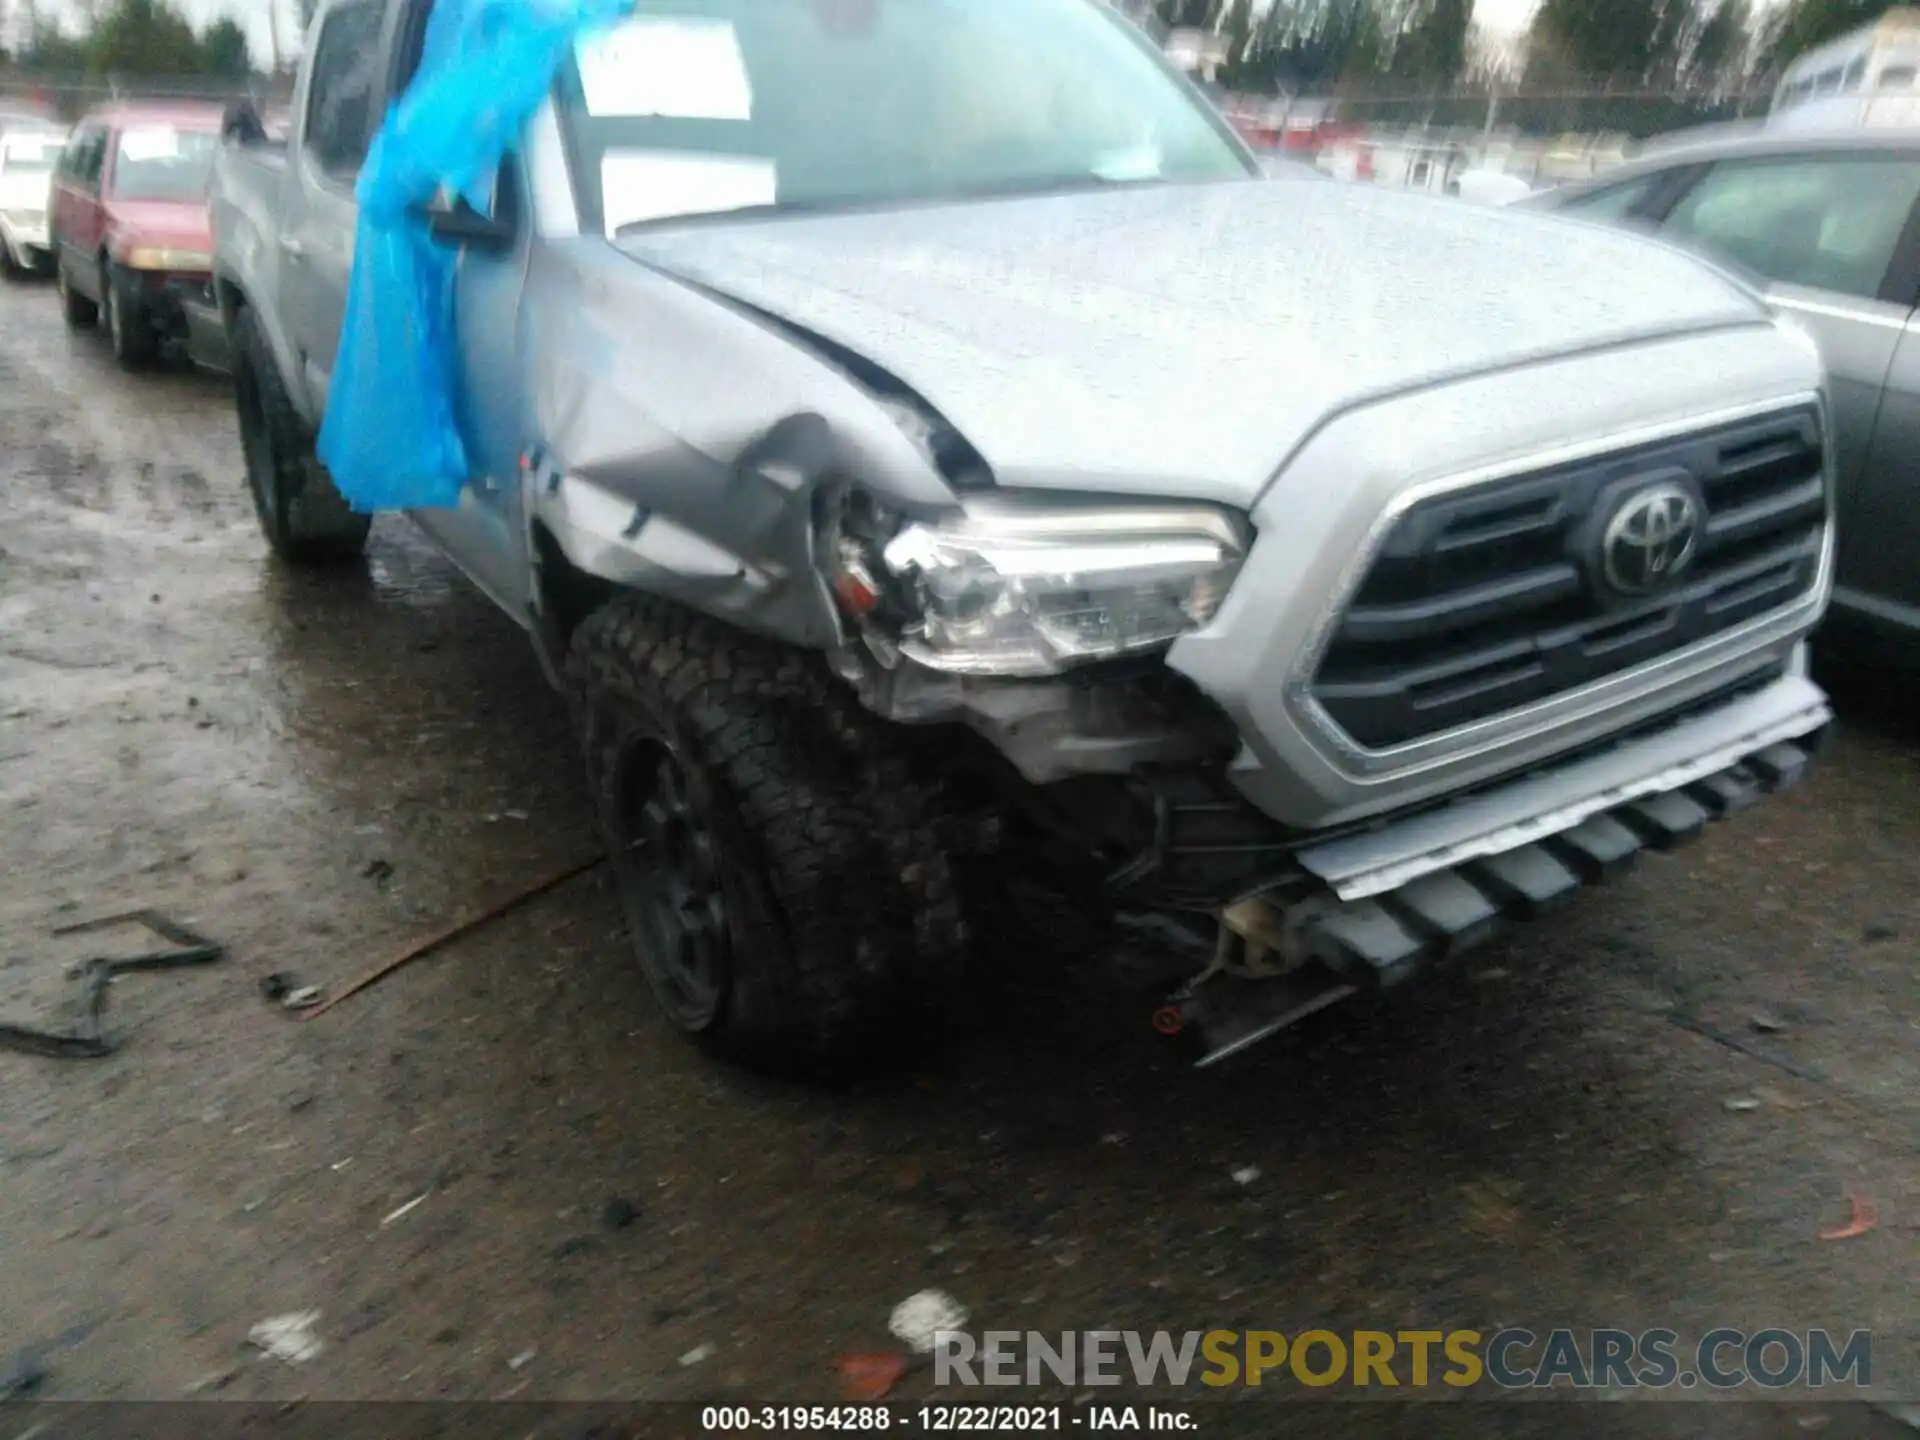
1638,115
1431,140
67,97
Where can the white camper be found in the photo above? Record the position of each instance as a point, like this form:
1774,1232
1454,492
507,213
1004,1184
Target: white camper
1869,76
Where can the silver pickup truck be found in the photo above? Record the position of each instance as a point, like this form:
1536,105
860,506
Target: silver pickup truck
884,417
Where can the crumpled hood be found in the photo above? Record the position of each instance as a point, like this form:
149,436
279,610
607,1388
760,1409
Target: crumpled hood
1185,338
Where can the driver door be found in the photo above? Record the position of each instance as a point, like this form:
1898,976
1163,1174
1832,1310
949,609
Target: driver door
485,533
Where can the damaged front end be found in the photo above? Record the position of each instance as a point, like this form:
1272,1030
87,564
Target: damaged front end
1043,629
1022,635
1039,626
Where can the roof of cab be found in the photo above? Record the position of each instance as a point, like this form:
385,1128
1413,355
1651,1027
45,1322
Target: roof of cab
185,114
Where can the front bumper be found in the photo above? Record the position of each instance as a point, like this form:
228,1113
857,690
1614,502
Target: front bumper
1680,758
1427,887
159,299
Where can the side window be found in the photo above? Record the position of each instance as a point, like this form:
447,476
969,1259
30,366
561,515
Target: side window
1615,202
341,89
73,159
1856,72
1828,223
92,158
410,43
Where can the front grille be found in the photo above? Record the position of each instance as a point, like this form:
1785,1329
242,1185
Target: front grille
1487,599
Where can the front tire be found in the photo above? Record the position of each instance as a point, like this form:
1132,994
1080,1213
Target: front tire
79,312
132,339
788,893
304,517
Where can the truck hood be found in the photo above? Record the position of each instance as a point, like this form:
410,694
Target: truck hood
172,224
1184,339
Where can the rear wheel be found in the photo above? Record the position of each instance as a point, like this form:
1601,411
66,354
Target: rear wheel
302,514
80,312
788,891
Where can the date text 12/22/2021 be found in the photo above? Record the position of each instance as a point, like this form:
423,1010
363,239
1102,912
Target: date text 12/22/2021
940,1419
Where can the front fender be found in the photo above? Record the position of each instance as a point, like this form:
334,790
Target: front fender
246,269
684,445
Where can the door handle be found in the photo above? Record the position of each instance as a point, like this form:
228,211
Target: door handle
292,248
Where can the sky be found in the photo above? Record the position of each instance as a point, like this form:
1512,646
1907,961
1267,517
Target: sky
1504,17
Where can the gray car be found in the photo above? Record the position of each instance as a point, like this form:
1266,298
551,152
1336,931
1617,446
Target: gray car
954,457
1828,226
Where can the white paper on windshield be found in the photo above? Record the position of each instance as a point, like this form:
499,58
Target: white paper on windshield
640,185
150,144
688,69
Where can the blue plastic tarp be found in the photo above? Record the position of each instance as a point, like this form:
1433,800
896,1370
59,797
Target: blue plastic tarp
391,435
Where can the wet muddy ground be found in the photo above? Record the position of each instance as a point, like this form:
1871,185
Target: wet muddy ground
313,771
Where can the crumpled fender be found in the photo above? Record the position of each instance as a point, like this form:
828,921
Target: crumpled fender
685,449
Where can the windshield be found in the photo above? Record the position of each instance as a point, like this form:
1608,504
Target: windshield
161,163
704,106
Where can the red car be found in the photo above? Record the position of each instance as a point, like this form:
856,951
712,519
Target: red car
128,223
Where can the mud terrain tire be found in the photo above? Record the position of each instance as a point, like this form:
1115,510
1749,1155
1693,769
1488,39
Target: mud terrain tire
788,892
305,519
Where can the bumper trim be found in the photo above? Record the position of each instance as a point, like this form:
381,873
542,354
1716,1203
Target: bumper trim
1534,808
1383,940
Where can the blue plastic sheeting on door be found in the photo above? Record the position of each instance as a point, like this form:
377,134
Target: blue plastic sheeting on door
391,436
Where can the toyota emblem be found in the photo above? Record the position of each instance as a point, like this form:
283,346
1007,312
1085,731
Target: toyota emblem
1651,538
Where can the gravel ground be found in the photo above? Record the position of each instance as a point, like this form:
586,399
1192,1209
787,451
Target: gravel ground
314,771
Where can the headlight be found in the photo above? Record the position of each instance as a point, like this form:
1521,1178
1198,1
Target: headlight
149,258
1020,590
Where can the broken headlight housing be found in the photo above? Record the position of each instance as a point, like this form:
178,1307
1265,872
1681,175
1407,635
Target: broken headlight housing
1019,589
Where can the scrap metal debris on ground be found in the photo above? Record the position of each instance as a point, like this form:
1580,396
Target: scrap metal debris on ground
866,1379
1866,1215
1688,1021
403,1211
89,1039
21,1373
430,943
288,1337
288,993
918,1319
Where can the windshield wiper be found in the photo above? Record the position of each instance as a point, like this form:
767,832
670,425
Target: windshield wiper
1064,183
1060,184
739,212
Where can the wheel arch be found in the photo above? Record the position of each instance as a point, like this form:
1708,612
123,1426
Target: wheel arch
562,595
